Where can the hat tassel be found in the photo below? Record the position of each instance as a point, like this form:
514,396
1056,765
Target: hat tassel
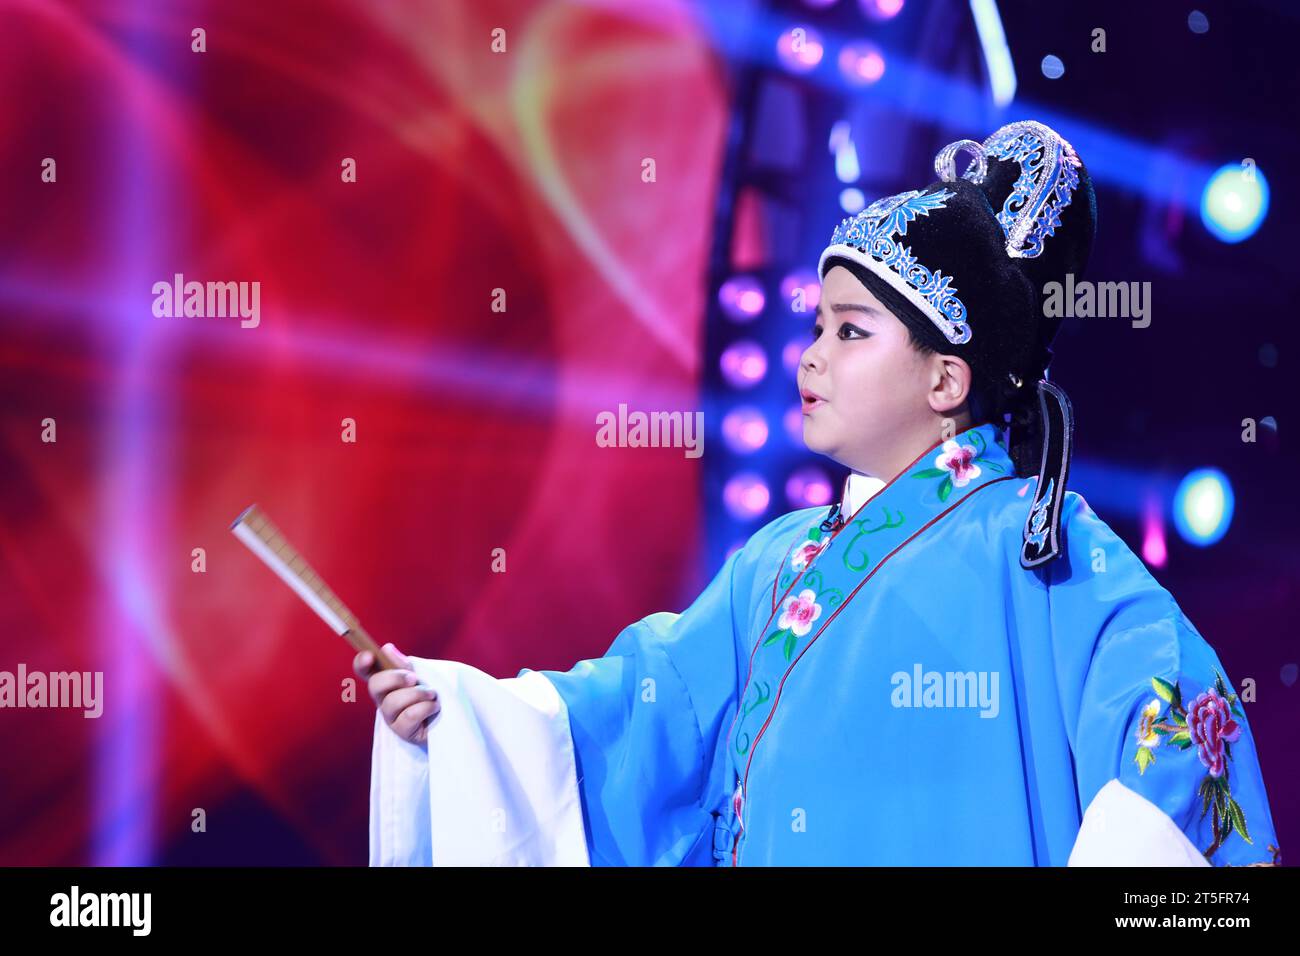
1043,539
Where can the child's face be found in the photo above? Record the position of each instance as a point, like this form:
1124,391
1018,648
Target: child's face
872,384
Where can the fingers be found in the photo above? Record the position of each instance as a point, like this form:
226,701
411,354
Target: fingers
363,665
409,724
397,701
396,656
385,682
405,704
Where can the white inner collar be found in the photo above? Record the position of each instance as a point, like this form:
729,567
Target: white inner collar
857,490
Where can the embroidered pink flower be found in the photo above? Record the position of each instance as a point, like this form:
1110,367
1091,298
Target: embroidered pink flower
1209,720
805,553
799,613
959,462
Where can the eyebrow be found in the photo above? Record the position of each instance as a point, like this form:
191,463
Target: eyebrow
853,307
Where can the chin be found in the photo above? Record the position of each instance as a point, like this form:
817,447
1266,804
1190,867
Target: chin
813,442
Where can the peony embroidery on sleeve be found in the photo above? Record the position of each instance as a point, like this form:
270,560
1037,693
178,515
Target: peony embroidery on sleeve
1208,725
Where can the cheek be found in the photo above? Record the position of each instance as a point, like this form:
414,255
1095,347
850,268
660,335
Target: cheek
873,376
881,385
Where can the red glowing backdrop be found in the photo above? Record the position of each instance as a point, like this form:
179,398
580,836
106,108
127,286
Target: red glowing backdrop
476,169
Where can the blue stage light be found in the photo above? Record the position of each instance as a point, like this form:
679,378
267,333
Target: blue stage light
1203,506
997,55
1235,202
852,200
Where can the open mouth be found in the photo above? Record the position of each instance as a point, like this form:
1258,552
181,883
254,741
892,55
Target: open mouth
811,400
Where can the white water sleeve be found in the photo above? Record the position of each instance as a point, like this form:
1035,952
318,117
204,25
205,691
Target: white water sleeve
495,785
1123,828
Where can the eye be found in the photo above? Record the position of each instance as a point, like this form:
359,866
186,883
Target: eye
816,331
846,328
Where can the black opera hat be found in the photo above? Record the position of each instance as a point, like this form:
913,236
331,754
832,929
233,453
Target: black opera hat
1045,203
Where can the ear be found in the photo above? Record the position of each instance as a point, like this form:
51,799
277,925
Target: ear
950,382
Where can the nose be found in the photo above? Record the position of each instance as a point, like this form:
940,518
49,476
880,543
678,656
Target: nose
811,360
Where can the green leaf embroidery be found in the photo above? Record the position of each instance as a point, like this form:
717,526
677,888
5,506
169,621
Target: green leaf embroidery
1238,818
1144,758
931,473
1164,690
790,642
773,637
945,489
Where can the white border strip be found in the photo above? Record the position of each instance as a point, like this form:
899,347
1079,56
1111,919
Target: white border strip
845,251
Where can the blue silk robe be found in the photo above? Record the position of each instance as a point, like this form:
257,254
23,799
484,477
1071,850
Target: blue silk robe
902,692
